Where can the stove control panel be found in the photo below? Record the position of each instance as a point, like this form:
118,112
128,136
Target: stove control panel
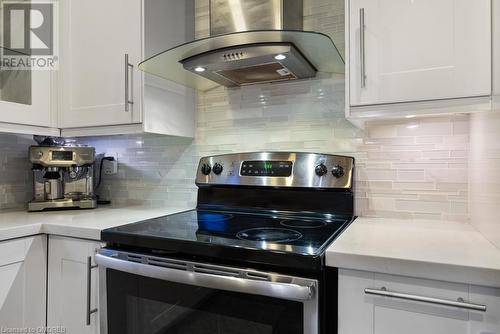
277,169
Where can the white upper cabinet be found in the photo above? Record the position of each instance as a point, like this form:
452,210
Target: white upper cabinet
103,92
25,97
25,91
417,50
97,85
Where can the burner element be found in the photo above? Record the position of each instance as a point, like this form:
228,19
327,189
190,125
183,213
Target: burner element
305,223
269,234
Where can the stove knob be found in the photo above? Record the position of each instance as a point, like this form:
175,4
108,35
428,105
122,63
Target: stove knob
338,171
206,169
218,169
321,170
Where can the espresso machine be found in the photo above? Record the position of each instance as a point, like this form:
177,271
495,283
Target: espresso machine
63,177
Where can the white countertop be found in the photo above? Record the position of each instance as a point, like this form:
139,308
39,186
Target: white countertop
445,251
86,224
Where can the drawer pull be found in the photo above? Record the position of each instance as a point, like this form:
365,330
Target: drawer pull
460,303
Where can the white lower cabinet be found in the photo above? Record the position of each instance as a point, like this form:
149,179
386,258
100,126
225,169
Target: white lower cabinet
23,273
363,313
67,304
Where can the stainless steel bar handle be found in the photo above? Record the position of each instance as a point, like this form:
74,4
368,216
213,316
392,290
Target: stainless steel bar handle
89,289
362,46
129,83
229,283
460,303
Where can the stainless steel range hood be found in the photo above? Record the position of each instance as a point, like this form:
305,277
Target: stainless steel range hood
251,41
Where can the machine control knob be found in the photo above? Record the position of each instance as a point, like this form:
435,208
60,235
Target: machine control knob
206,169
38,154
217,168
338,171
321,169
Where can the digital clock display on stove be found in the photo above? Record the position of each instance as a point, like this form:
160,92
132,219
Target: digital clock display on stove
266,168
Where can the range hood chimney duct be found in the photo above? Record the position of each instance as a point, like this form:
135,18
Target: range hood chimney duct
229,16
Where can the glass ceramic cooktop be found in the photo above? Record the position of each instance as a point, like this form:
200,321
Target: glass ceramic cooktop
308,235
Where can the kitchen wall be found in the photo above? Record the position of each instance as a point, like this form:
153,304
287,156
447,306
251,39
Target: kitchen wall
15,178
409,168
484,174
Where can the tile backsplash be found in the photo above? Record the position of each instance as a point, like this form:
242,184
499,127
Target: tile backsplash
404,168
407,168
484,174
15,178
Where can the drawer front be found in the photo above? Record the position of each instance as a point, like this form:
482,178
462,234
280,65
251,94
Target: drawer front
395,315
372,303
23,283
13,251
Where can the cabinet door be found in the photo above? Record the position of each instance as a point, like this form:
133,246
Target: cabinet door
23,282
25,97
416,50
24,91
96,37
67,288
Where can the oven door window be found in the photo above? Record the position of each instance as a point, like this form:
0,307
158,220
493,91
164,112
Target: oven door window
141,305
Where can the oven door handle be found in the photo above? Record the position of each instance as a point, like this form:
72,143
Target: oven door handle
288,291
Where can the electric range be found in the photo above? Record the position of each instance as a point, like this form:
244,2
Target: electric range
257,237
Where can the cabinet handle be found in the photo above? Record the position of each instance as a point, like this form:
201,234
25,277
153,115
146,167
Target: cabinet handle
460,303
90,266
128,67
362,46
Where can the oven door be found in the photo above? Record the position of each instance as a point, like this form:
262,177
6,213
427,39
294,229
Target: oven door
143,294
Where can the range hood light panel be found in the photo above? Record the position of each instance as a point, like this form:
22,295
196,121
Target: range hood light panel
280,57
306,52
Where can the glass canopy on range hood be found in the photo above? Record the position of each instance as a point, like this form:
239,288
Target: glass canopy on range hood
316,47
